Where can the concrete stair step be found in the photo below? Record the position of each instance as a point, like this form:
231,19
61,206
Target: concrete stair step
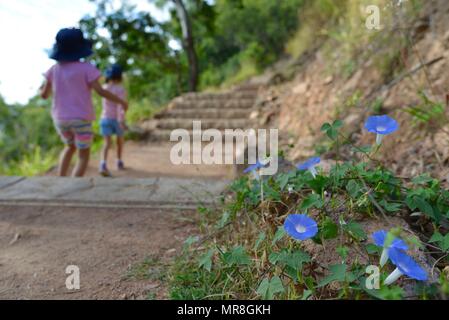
162,192
205,123
220,96
213,104
248,87
163,135
206,113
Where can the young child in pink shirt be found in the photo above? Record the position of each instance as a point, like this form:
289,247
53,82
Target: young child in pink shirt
71,82
113,119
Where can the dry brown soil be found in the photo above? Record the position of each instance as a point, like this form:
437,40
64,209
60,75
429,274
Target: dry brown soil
121,253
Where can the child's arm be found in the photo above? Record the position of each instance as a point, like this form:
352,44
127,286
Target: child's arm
108,95
46,89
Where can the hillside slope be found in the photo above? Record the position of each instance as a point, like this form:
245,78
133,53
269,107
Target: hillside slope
388,75
311,235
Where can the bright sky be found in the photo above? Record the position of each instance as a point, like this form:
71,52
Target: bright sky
28,28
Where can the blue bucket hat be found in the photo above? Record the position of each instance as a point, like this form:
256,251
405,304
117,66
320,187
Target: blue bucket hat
114,71
70,45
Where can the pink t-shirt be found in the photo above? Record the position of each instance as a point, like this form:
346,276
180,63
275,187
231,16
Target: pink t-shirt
71,84
112,110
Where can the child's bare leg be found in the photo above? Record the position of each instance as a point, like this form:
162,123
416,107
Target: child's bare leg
65,159
106,146
82,163
120,145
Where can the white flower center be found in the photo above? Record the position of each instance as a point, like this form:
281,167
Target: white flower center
404,267
381,128
300,228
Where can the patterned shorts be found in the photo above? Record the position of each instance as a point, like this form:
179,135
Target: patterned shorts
78,132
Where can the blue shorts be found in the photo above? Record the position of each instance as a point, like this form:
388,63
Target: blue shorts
110,127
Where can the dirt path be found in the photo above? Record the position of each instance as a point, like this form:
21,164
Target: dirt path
122,253
153,160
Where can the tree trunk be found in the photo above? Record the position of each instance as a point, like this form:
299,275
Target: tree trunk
188,43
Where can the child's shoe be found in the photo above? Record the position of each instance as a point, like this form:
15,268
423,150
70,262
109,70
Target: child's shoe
120,165
104,170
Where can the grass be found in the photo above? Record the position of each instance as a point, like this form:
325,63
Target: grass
235,71
31,164
188,282
314,18
340,27
247,70
141,110
149,269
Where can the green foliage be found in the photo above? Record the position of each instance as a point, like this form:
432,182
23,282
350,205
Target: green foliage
318,16
355,230
150,269
332,129
236,256
234,40
259,27
27,138
257,259
139,44
32,163
247,36
338,28
429,113
269,287
442,241
387,293
312,201
338,273
206,260
329,229
141,110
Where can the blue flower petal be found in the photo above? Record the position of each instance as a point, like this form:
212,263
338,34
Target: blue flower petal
253,167
379,239
300,226
309,163
407,265
381,124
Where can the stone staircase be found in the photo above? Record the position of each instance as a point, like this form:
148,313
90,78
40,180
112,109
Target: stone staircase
224,110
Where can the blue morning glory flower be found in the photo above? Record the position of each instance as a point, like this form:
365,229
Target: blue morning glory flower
404,265
381,125
379,240
300,226
256,169
309,165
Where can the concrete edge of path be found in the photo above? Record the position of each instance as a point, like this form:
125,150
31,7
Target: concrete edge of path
100,205
162,192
